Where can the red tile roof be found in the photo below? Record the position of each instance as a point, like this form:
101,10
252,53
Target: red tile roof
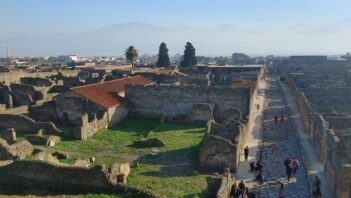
106,94
240,83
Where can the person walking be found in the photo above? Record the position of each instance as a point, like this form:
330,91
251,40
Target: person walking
289,171
286,163
275,118
233,191
258,107
242,187
317,181
295,165
281,191
317,192
281,118
246,152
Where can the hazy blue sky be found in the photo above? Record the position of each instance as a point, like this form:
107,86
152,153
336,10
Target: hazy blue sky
43,19
18,16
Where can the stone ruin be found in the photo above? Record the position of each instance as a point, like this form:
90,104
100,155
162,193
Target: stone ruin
85,127
222,145
322,94
62,178
15,151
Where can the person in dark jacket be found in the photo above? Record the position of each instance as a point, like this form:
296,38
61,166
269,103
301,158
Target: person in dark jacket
246,152
242,187
289,171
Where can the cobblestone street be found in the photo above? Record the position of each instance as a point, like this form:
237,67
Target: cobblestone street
279,142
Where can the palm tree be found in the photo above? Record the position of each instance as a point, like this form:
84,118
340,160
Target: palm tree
131,53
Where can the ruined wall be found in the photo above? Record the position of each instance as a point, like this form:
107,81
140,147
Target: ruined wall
26,94
87,128
16,75
228,131
332,146
117,114
226,186
36,81
71,106
26,124
176,102
16,151
318,132
53,178
217,152
43,113
337,164
201,113
15,110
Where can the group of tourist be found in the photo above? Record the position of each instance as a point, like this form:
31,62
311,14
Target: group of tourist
291,167
241,191
254,166
280,117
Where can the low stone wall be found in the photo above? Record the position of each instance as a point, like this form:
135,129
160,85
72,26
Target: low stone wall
226,186
86,128
18,150
26,124
36,81
15,110
38,175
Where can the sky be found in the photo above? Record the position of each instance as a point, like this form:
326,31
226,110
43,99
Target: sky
42,17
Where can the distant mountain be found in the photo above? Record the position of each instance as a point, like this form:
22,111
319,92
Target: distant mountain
220,40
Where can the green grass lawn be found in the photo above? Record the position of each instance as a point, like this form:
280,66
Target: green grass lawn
173,172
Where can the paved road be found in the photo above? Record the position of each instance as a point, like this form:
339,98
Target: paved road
279,142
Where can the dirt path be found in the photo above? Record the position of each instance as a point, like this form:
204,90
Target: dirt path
314,166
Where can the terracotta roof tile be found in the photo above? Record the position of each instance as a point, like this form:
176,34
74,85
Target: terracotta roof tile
240,83
106,94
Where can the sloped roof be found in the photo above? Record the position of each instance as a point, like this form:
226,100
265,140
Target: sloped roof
240,83
106,94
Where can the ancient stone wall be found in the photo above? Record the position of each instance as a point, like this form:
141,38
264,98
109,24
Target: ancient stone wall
228,131
71,106
54,178
87,128
16,151
36,81
26,94
15,76
226,186
201,113
176,102
117,114
333,146
337,164
26,124
15,110
43,113
217,153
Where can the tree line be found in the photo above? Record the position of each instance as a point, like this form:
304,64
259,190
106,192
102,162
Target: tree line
188,58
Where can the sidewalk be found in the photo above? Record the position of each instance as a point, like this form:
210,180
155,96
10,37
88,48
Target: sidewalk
252,141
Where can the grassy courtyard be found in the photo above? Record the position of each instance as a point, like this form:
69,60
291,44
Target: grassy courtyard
173,172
